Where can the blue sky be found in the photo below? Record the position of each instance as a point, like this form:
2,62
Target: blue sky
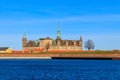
98,20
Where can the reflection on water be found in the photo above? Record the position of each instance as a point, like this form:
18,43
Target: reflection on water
59,70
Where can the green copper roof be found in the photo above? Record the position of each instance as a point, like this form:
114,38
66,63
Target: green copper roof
24,36
53,43
36,42
58,32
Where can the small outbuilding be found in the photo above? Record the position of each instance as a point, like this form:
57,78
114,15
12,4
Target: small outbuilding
5,50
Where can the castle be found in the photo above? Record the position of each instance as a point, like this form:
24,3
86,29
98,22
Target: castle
51,45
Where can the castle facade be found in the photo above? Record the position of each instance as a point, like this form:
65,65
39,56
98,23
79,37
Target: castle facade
49,44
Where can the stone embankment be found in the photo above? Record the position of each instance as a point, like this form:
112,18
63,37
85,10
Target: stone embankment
58,55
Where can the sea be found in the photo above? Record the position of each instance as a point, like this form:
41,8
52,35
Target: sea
59,69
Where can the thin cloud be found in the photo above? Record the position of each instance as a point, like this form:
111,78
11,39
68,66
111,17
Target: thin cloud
92,18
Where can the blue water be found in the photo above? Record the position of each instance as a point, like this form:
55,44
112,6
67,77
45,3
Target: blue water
59,70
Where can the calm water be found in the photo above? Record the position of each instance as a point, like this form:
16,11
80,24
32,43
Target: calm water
59,70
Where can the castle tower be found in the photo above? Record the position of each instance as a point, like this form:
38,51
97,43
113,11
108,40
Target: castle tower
58,32
80,42
66,44
58,35
74,43
24,40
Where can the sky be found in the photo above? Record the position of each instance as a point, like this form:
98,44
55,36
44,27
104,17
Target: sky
98,20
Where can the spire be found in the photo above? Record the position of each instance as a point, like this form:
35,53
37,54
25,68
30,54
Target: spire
58,32
24,36
81,38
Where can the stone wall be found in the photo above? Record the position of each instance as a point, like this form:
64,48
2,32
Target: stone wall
60,55
67,47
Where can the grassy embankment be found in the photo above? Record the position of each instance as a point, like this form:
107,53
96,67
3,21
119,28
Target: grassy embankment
85,52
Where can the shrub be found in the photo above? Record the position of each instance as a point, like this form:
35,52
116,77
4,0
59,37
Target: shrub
116,51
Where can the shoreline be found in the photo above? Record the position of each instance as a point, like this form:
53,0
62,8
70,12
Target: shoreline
25,58
60,56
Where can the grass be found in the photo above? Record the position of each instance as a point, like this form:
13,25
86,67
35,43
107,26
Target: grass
82,52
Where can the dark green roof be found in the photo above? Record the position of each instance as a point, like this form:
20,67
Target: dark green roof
3,48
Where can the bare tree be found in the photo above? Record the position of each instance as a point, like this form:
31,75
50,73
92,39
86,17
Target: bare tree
47,46
89,45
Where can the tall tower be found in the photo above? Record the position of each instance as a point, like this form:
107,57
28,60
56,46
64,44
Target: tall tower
80,42
24,40
58,35
58,32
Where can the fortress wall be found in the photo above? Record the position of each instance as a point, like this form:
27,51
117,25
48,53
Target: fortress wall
61,55
66,48
28,48
31,48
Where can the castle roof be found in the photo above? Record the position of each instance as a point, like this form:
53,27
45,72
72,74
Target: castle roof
32,44
48,38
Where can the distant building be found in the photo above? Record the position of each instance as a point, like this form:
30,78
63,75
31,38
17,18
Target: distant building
57,44
5,50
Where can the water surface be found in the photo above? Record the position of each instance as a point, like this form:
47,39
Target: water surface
59,70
